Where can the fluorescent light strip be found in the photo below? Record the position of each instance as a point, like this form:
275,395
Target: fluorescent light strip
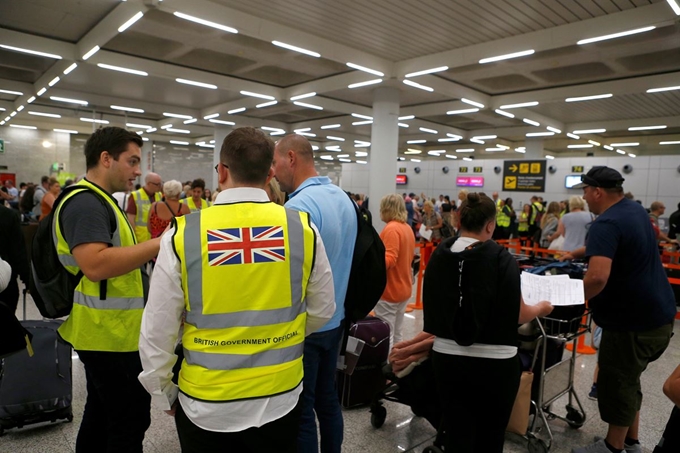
41,92
49,115
197,84
258,95
330,126
658,90
620,151
554,129
365,117
67,131
495,150
365,69
166,126
70,68
625,144
413,151
574,136
91,52
138,126
415,142
521,150
548,156
360,153
451,156
402,124
593,142
13,93
205,22
337,139
12,115
539,134
674,6
211,116
501,112
178,131
608,147
646,128
94,120
68,100
476,140
32,52
415,160
54,81
309,106
457,137
131,21
121,69
427,71
446,140
465,150
21,126
146,139
467,159
349,160
406,118
306,129
363,84
177,115
272,129
589,98
632,155
151,129
473,103
226,123
362,162
178,142
326,157
315,148
485,137
673,142
532,122
429,131
615,35
126,109
589,131
461,111
417,85
506,56
296,49
191,121
29,100
343,155
303,96
579,146
362,123
20,108
266,104
233,111
520,105
436,152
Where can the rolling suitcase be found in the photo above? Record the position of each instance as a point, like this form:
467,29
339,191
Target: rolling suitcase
38,388
366,379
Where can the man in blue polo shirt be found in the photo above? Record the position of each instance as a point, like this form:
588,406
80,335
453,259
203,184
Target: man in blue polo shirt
333,213
631,300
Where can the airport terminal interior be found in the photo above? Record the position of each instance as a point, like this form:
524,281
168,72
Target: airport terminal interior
518,97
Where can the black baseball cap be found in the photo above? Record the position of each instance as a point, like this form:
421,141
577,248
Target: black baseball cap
601,176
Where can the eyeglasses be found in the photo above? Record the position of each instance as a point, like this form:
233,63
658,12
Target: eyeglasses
218,164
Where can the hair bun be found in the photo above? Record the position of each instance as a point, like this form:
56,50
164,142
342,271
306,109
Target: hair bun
473,198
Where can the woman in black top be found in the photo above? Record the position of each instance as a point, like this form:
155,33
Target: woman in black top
473,305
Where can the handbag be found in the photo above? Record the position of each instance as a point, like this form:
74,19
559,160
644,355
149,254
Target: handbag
557,244
519,418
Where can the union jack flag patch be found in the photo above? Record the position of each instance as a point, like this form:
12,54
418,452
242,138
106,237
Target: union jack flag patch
246,245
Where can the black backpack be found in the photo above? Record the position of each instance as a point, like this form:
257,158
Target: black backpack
368,276
51,285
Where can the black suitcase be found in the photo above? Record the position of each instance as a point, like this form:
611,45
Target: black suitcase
39,388
367,378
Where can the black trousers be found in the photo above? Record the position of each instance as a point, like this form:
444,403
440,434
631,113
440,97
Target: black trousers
117,409
279,436
670,441
477,396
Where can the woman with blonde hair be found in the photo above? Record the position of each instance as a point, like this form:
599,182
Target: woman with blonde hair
574,225
432,221
274,192
399,249
549,223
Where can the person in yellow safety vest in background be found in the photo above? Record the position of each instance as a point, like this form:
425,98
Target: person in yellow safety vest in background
498,232
196,201
503,221
139,205
254,280
106,317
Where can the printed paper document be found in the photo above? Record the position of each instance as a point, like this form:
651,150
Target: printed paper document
560,290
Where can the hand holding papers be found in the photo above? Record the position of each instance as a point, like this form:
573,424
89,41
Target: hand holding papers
424,232
560,290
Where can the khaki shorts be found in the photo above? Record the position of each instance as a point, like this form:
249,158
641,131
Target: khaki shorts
623,356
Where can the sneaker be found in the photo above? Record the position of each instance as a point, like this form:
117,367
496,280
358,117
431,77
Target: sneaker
635,448
593,393
597,447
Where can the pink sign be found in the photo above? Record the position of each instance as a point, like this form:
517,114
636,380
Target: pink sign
470,181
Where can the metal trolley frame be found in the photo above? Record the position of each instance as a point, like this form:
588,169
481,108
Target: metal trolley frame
556,381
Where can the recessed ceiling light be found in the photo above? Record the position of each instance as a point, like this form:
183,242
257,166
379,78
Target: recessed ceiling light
178,131
13,93
658,90
406,118
178,142
234,111
625,144
365,117
197,84
427,130
191,121
608,147
91,52
226,123
94,120
590,131
589,98
68,100
646,128
42,91
363,84
520,105
632,155
20,108
548,156
427,71
554,129
303,96
532,122
673,142
126,109
365,69
266,104
130,21
121,69
461,111
415,142
309,106
473,103
417,85
29,101
476,140
507,56
54,81
615,35
674,6
337,139
138,126
402,125
177,115
574,136
620,151
539,134
579,146
451,156
449,139
485,137
209,117
205,22
465,150
467,159
257,95
32,52
70,68
49,115
495,150
362,123
21,126
501,112
330,126
296,49
415,160
66,131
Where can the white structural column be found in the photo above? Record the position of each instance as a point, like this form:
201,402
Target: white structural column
384,148
147,159
220,133
534,147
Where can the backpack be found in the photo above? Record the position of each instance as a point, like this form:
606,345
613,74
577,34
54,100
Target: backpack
368,275
51,285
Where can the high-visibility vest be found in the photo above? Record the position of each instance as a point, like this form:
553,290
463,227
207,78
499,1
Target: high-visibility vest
245,269
111,324
523,226
536,208
143,203
502,219
192,206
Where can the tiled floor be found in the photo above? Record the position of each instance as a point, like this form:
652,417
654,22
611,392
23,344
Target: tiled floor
402,430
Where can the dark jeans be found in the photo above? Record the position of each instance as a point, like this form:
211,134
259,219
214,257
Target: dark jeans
278,436
670,441
477,396
117,409
320,395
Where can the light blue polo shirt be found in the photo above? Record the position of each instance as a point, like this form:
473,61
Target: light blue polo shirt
333,213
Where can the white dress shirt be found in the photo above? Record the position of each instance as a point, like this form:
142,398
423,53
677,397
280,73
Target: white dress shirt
160,329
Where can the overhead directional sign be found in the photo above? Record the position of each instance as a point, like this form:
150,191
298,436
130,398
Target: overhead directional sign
577,168
524,175
462,169
478,169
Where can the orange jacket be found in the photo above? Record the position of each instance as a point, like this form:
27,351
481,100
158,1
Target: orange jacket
399,249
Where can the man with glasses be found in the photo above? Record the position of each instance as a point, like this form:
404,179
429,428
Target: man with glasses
139,205
631,300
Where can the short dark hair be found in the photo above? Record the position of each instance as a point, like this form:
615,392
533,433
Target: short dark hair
476,211
114,140
248,153
198,183
44,179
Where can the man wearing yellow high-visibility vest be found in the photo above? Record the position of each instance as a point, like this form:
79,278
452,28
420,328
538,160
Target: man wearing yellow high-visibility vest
254,280
196,201
106,317
139,205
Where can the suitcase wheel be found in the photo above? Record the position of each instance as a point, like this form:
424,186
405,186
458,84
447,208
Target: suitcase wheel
378,416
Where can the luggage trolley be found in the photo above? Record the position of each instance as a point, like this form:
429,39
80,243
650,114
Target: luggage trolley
557,380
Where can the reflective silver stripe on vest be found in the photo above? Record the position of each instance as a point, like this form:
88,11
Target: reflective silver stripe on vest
213,361
248,318
67,260
111,303
140,202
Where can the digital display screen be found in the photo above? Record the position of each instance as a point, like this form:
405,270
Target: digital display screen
402,180
571,180
470,181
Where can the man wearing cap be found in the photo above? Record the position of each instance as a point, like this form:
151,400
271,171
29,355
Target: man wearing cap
631,300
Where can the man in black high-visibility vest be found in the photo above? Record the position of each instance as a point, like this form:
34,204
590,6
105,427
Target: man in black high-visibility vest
254,280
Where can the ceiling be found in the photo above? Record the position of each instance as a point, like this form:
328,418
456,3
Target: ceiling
234,53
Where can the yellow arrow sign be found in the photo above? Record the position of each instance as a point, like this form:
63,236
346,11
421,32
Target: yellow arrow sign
513,168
